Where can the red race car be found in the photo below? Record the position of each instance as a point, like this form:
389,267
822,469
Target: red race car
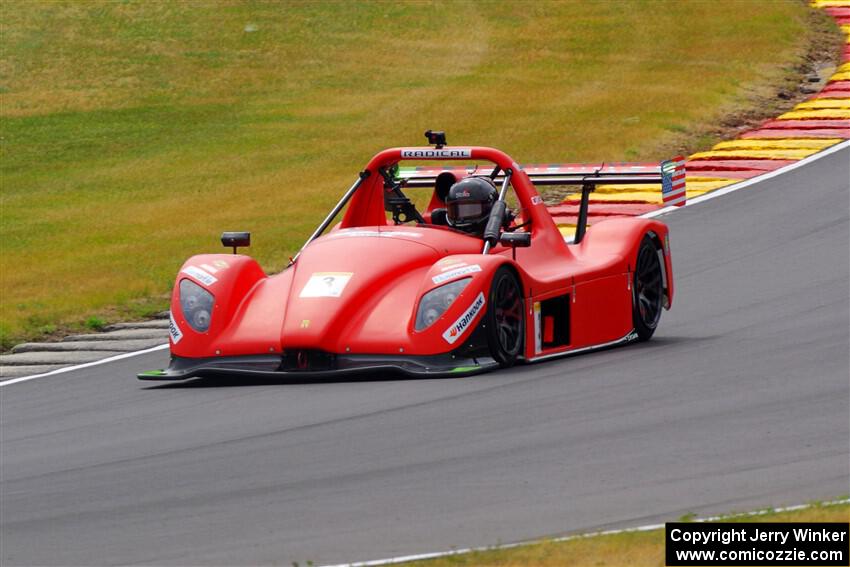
480,278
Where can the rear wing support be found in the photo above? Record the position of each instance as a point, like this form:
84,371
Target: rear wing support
588,185
581,227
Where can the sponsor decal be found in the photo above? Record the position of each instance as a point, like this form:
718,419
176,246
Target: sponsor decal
538,329
305,323
221,264
173,330
536,200
200,275
457,272
209,268
326,284
632,336
445,153
365,233
457,329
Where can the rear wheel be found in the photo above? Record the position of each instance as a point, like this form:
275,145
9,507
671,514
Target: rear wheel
505,317
648,290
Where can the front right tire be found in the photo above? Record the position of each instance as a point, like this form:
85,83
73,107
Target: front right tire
505,317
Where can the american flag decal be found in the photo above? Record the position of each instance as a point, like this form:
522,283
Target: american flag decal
673,182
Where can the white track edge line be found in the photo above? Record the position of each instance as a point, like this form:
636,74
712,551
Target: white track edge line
644,528
85,365
702,198
752,181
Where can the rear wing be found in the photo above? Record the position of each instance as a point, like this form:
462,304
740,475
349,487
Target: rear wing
670,174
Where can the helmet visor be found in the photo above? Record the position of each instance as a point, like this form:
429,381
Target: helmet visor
464,212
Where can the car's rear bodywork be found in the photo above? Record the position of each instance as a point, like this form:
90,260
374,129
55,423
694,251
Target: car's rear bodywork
349,300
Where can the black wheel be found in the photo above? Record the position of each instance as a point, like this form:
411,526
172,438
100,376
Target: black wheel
647,291
505,318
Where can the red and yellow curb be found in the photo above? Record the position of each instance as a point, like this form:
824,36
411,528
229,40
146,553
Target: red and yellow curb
810,127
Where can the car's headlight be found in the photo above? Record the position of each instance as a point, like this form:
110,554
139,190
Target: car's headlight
435,302
197,304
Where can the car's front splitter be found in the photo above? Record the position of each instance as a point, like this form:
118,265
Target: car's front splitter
320,365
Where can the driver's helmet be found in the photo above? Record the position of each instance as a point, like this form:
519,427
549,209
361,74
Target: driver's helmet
469,202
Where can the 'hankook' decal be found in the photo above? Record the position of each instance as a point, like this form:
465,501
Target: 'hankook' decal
457,329
173,329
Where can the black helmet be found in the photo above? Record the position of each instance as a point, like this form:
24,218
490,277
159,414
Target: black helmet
469,202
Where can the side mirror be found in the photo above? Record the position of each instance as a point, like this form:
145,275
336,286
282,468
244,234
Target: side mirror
235,239
515,239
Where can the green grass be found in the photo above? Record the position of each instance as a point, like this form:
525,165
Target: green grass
133,133
95,323
636,549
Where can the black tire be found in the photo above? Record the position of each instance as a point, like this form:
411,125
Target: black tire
505,318
647,290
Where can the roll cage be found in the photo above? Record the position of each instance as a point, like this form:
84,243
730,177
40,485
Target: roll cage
378,189
367,203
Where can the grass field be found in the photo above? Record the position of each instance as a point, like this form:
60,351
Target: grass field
636,549
133,133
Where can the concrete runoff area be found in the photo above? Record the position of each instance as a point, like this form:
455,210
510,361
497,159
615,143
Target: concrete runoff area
161,323
59,358
102,345
122,335
27,359
741,401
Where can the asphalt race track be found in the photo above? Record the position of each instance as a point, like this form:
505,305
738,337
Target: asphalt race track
742,401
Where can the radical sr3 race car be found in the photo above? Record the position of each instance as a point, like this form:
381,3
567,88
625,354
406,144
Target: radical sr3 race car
393,287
